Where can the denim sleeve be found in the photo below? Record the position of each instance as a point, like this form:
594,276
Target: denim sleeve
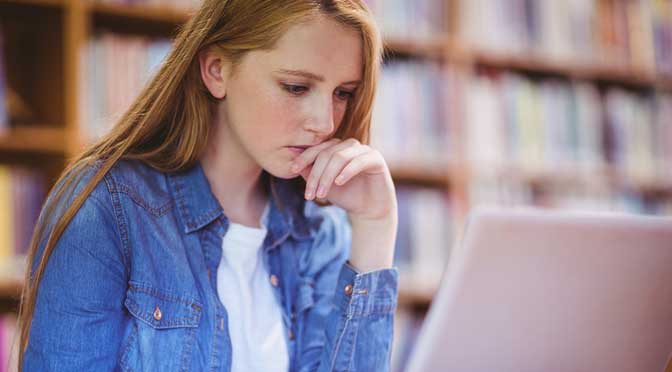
350,326
78,315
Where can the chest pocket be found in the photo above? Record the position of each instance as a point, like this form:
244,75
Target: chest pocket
162,329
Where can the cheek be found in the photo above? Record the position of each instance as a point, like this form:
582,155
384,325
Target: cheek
339,113
271,123
271,113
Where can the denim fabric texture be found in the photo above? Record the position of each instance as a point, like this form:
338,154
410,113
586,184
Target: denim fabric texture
131,284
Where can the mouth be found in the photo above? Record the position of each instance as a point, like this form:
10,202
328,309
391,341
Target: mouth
297,149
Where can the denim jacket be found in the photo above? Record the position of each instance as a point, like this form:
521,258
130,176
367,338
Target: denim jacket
131,284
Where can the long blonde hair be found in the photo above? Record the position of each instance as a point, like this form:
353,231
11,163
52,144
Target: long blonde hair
168,124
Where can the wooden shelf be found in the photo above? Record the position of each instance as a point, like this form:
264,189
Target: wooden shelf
435,48
530,63
10,288
415,293
145,20
34,139
11,278
34,3
447,49
432,175
606,175
409,297
146,13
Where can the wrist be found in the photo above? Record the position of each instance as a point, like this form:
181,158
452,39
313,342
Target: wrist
373,242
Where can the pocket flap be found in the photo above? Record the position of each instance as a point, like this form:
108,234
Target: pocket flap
161,309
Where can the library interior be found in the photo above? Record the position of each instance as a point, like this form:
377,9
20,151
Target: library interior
562,105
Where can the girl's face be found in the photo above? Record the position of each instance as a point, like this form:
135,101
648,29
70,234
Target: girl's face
292,96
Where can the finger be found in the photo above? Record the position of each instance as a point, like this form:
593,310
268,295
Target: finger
336,164
356,166
320,165
309,155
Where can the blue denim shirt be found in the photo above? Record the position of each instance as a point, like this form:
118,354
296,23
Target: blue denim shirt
131,284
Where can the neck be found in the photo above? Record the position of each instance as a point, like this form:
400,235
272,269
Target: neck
234,179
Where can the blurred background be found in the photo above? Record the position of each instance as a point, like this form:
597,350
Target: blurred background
555,104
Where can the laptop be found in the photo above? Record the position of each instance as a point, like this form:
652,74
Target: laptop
534,290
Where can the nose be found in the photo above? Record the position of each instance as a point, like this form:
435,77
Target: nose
321,118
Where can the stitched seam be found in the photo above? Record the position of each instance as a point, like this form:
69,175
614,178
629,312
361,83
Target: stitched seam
338,344
162,295
127,349
155,211
181,204
121,221
186,353
353,348
137,310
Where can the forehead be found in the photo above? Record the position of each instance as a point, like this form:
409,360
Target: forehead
321,46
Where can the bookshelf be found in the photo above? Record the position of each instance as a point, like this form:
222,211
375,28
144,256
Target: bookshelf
45,49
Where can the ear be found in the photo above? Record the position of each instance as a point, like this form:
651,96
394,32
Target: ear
215,69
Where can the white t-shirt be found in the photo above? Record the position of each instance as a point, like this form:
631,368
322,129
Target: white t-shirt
255,317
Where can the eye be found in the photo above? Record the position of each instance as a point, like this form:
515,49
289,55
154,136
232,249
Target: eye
344,94
294,89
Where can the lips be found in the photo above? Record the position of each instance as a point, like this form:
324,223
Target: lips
297,149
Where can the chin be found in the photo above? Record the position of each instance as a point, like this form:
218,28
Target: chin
285,176
281,171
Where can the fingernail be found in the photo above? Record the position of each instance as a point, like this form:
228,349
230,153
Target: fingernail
309,195
320,192
339,179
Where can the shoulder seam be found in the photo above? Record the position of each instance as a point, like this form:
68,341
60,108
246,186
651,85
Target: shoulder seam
119,217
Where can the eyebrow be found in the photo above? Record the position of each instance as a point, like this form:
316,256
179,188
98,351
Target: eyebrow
310,75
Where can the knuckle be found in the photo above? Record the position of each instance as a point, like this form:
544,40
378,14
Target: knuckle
341,156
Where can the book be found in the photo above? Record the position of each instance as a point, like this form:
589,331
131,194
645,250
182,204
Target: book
620,33
410,19
6,220
8,343
408,123
425,234
22,192
116,69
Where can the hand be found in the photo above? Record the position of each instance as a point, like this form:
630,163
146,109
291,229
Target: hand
350,175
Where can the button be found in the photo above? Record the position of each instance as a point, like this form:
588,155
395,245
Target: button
348,289
157,313
274,280
291,335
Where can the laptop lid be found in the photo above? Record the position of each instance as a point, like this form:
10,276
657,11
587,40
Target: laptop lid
552,291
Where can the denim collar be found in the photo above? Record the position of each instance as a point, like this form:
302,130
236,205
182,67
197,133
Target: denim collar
198,207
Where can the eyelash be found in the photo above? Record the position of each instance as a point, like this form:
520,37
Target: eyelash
291,89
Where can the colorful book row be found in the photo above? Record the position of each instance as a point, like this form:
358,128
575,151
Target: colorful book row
116,69
637,33
22,192
8,345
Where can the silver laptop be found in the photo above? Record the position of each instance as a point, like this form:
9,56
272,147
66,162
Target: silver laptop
552,291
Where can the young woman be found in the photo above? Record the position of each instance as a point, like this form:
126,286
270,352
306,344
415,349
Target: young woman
234,219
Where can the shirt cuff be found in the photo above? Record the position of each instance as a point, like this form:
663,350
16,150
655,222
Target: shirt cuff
362,294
